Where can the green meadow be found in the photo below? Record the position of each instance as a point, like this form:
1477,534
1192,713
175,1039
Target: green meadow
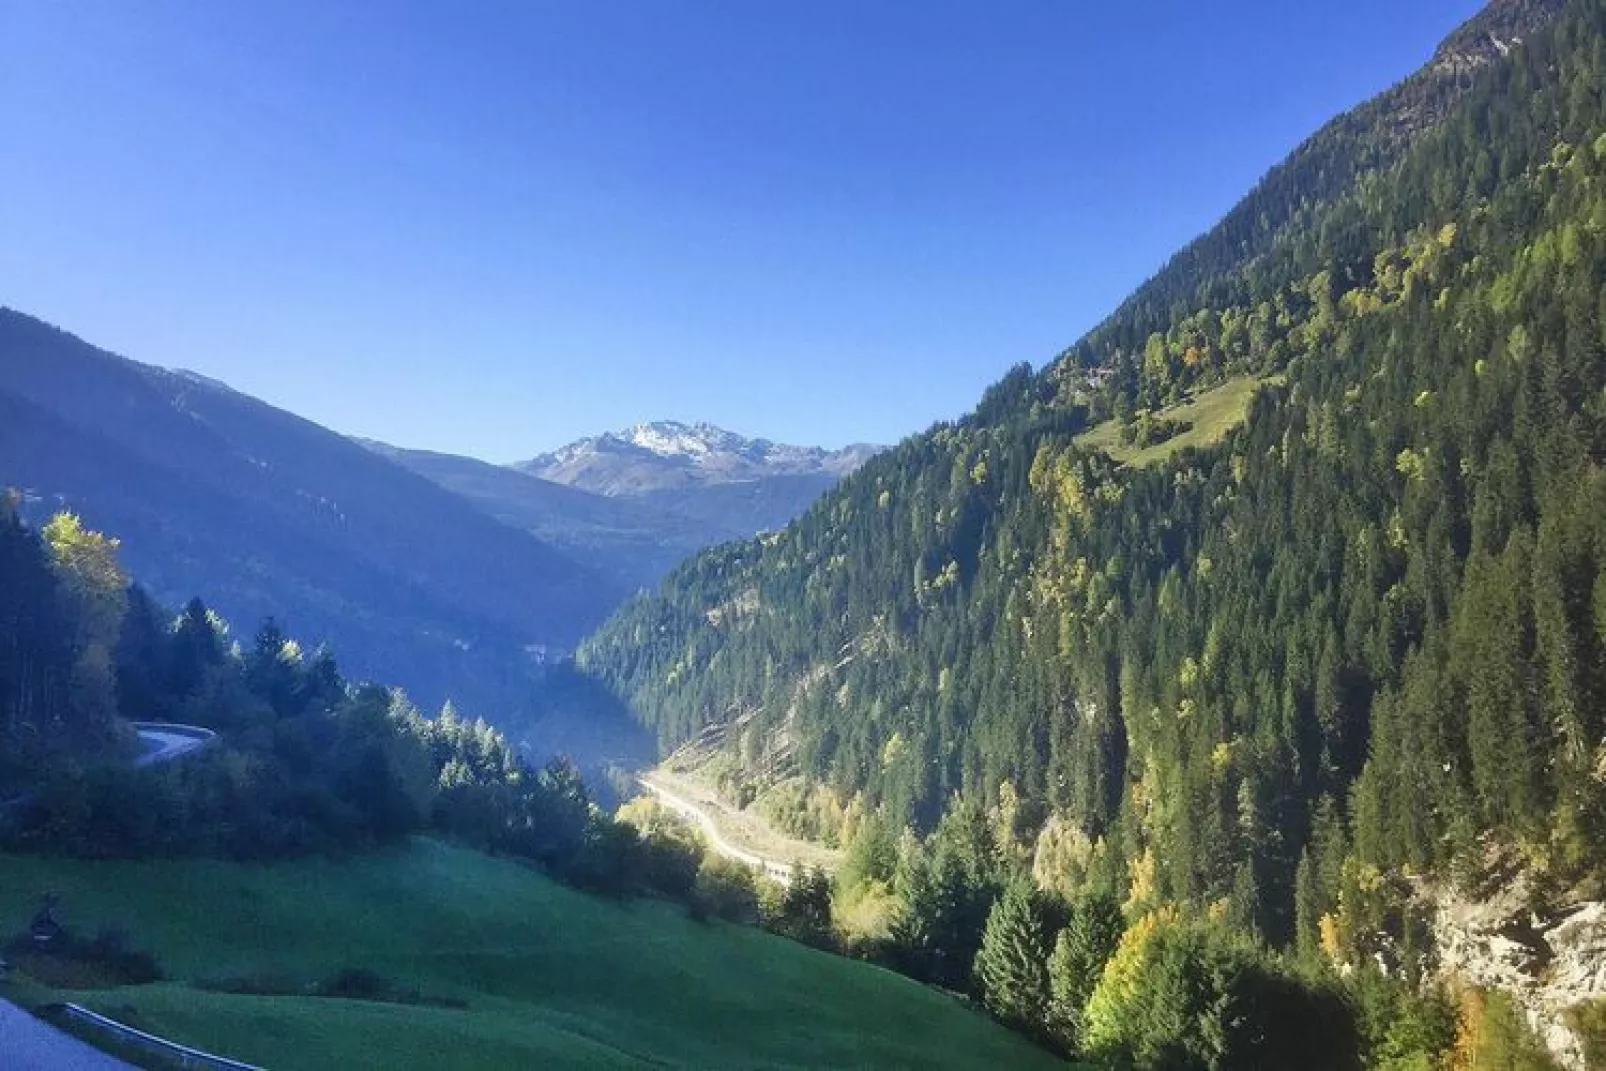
510,970
1213,413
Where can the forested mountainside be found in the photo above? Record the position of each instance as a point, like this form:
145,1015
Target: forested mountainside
1289,677
211,490
300,761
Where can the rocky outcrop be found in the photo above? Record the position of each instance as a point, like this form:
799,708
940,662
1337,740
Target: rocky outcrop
1492,33
1548,964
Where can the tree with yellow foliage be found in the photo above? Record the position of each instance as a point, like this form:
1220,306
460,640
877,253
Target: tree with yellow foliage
1490,1035
1182,994
95,588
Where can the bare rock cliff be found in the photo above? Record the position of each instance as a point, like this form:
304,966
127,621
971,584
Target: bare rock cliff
1548,964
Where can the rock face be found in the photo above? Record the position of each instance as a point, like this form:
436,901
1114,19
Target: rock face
1492,33
1547,964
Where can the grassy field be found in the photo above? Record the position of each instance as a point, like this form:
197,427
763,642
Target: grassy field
1213,413
550,977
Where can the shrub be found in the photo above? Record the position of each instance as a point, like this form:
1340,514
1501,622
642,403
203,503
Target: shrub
1588,1021
73,962
725,890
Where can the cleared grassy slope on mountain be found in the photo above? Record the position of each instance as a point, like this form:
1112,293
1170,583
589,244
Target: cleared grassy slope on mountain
1208,415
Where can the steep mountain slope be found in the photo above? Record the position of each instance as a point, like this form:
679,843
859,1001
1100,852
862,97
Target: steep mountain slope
1293,675
268,514
725,485
1296,218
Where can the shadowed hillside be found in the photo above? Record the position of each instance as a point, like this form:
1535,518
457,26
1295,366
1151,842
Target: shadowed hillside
211,490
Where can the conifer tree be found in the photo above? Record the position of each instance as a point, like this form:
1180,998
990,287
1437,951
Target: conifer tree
1081,950
1012,963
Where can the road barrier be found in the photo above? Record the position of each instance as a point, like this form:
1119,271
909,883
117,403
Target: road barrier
202,737
194,732
183,1055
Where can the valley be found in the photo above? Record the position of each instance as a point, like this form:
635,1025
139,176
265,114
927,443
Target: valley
1226,691
1270,602
447,576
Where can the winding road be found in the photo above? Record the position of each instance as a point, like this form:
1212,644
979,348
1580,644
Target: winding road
771,868
164,743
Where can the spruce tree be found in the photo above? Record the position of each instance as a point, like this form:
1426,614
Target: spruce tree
1082,949
1012,964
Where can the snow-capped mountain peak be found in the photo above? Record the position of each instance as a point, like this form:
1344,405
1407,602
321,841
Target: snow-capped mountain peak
671,438
668,454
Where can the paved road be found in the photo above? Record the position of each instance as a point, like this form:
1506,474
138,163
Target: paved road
162,743
165,744
26,1044
778,871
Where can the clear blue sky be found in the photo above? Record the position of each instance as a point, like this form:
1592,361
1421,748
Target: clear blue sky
492,227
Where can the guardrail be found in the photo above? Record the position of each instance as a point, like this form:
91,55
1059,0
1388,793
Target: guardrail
183,1055
194,732
171,741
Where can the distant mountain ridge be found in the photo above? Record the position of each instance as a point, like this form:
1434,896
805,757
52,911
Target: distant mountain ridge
668,454
630,542
632,504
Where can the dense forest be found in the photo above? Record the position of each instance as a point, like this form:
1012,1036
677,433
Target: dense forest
302,762
1258,695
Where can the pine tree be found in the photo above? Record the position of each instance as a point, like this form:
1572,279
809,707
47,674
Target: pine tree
1081,950
1309,906
1012,964
806,908
140,658
198,647
1496,649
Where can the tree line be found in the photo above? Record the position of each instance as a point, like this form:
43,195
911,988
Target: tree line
303,762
